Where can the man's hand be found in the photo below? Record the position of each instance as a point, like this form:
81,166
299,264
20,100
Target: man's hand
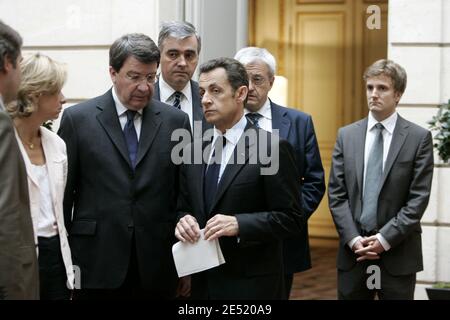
365,254
184,287
221,225
187,229
371,249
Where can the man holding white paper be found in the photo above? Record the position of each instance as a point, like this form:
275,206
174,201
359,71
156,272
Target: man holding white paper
233,196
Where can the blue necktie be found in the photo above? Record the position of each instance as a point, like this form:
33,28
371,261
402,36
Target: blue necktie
374,173
254,118
177,101
211,176
131,139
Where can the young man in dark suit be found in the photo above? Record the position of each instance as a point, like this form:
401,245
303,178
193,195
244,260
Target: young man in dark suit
296,127
379,188
247,203
122,185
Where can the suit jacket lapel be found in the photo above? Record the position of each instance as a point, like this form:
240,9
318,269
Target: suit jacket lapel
109,120
232,170
26,160
200,172
156,94
398,139
197,110
280,120
150,126
359,144
54,157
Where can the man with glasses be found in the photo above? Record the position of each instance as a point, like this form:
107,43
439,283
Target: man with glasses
122,185
297,128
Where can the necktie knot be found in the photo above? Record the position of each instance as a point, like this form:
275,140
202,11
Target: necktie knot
131,114
379,126
177,99
254,118
219,145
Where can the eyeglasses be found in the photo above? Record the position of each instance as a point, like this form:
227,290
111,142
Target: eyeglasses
137,78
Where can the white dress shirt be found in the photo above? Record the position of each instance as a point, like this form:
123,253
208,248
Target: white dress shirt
232,136
389,126
166,94
265,122
46,224
121,112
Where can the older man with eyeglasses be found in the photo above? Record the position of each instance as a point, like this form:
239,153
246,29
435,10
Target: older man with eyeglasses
122,184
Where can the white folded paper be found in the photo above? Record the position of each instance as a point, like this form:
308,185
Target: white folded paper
195,257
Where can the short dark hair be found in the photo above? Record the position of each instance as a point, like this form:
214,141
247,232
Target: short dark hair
10,44
236,73
137,45
178,30
391,69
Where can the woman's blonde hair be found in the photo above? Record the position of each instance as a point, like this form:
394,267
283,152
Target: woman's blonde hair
40,75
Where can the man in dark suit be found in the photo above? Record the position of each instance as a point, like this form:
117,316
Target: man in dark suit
19,277
297,128
122,184
234,199
180,46
378,190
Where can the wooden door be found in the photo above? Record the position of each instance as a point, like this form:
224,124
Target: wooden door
322,47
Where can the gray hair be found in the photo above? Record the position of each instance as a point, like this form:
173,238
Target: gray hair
10,44
137,45
391,69
178,30
252,54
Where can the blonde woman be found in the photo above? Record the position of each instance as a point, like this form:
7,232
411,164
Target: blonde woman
40,99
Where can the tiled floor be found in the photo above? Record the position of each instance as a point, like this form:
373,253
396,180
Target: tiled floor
319,282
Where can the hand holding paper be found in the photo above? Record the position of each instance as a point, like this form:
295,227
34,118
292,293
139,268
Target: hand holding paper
195,257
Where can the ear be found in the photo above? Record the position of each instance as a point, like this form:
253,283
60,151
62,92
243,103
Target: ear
113,74
271,81
8,66
397,97
34,98
241,93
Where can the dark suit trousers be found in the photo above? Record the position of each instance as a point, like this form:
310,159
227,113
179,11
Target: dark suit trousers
130,289
288,279
352,284
52,271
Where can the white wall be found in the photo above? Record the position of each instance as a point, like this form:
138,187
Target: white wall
79,32
419,40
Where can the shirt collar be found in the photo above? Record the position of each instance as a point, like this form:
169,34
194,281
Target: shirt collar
388,123
265,110
1,103
166,91
233,134
121,109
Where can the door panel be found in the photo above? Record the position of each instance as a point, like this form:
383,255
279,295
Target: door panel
322,47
